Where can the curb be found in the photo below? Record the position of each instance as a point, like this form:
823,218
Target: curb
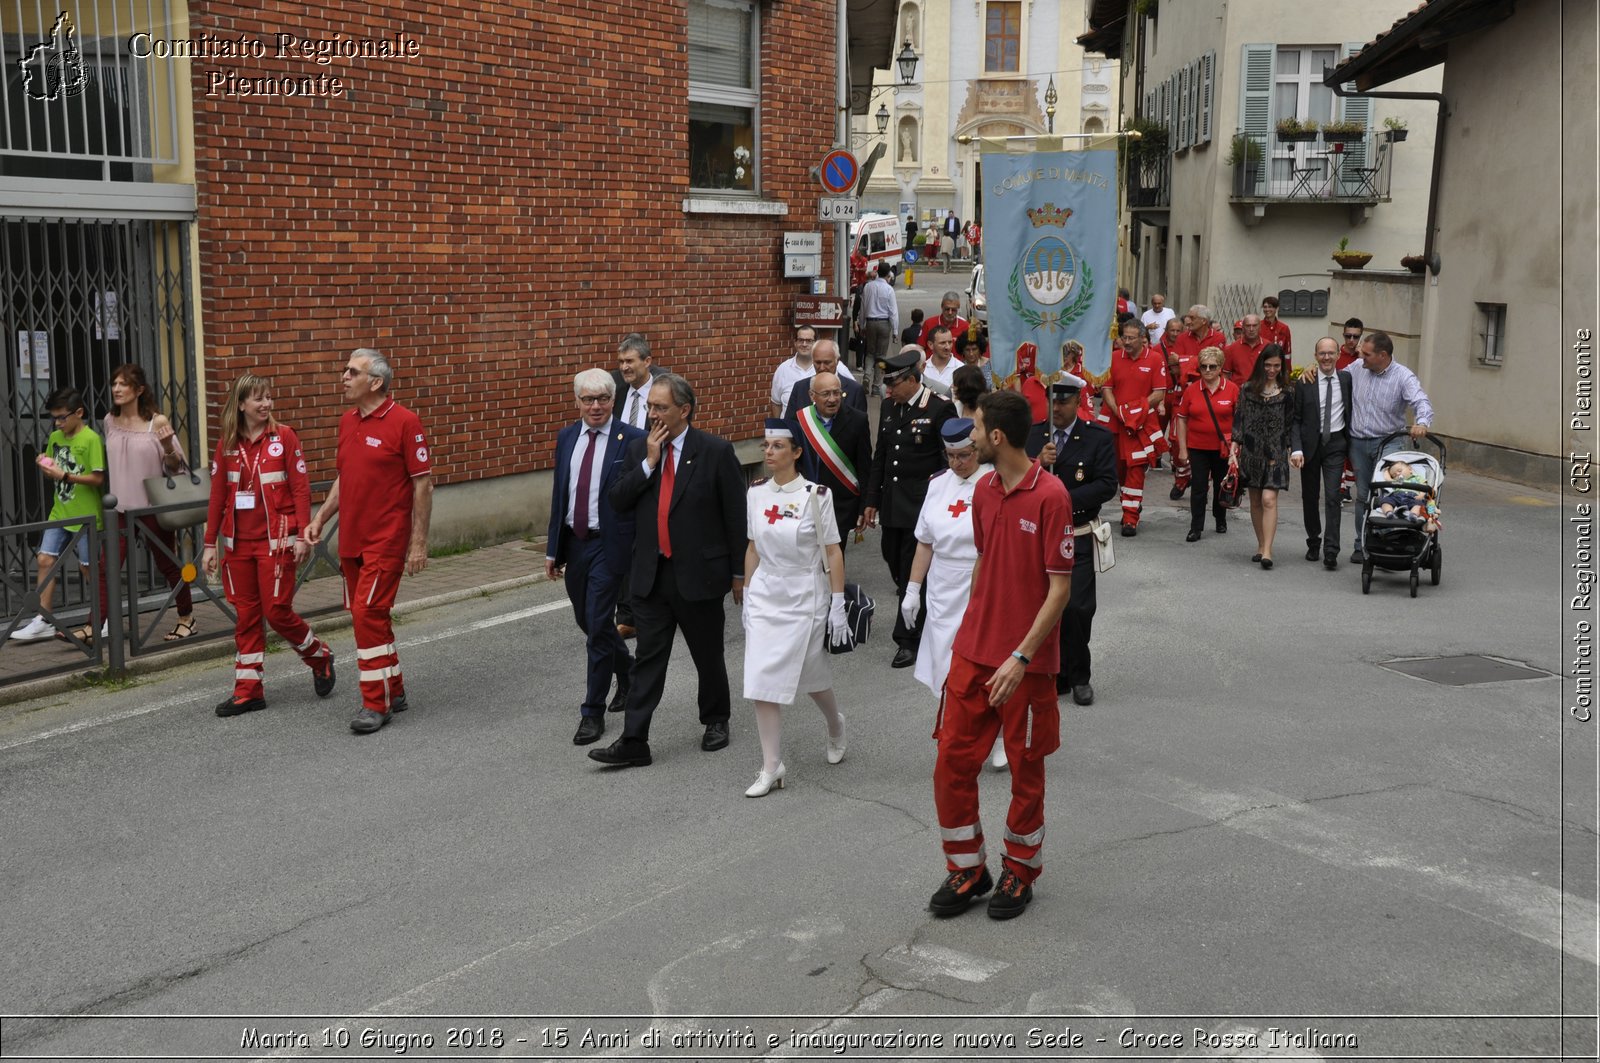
219,649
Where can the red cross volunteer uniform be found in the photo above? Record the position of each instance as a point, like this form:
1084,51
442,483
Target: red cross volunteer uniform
379,455
1135,426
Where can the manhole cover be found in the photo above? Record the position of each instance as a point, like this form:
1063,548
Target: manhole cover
1464,671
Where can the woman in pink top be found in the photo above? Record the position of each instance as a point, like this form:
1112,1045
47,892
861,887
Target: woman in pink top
140,444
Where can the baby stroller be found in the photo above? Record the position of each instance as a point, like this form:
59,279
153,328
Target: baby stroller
1396,537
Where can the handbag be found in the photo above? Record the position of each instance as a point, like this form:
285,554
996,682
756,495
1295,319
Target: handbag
858,605
187,486
1230,491
1104,555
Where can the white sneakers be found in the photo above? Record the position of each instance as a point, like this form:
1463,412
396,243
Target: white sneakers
997,758
766,782
836,745
36,629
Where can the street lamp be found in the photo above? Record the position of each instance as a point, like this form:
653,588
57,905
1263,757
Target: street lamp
883,118
1050,99
907,59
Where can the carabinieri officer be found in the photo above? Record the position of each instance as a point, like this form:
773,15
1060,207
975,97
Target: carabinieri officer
910,450
1084,456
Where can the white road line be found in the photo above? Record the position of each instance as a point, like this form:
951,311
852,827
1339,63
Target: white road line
349,658
1509,901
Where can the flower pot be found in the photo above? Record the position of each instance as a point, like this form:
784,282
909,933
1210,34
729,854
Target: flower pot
1352,259
1336,137
1414,263
1395,136
1303,137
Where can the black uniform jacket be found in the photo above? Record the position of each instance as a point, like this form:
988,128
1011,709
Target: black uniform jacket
910,450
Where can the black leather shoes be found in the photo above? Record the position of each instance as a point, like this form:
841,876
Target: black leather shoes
1330,562
1193,536
904,657
1255,559
1011,898
1129,531
1176,493
1222,525
1266,563
1357,557
619,700
233,707
590,728
1083,694
716,736
623,753
367,721
323,683
960,890
1312,554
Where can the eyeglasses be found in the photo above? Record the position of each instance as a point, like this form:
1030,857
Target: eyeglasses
1352,335
594,400
1209,367
58,418
352,371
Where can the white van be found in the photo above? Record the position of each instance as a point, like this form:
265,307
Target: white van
875,238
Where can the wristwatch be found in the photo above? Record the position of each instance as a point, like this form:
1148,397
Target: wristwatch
1019,655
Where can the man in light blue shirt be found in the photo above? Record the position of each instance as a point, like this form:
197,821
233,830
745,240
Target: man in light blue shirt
1380,391
879,323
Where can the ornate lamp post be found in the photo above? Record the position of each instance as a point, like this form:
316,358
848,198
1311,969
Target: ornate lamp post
1050,99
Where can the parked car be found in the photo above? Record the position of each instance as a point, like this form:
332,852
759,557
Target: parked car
977,297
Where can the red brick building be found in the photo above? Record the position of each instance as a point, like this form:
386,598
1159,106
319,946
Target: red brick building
493,194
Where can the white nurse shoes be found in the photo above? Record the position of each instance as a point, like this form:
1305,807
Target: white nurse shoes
836,745
766,782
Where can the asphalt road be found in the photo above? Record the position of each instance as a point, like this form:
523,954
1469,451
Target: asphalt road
1258,825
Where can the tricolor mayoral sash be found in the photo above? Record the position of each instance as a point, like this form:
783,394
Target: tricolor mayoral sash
827,450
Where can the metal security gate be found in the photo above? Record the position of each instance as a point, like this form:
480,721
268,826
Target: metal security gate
83,296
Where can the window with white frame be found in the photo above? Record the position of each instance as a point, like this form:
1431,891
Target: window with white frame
724,95
1002,37
1298,92
1491,334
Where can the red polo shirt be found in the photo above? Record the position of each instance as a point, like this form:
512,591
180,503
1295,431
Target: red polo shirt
1239,359
957,330
1201,431
1347,355
1132,380
1022,537
1189,347
1277,332
379,455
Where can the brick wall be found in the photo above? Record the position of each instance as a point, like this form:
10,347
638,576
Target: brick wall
494,214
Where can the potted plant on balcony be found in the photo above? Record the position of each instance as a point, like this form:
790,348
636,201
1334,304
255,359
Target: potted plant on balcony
1349,259
1342,131
1144,157
1414,263
1394,129
1297,130
1244,155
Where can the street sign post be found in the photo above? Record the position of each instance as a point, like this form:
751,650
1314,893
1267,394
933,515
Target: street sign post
838,209
819,311
802,265
802,243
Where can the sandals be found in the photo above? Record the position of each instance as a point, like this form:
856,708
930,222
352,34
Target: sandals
185,628
82,634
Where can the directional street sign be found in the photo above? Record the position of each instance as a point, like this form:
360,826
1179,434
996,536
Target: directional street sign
839,171
802,243
836,210
802,265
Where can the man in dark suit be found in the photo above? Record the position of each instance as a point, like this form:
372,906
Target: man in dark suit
688,492
1084,457
838,450
1319,440
825,358
591,544
634,374
910,449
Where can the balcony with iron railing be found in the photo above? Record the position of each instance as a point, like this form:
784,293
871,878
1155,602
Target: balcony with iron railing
1316,168
1150,183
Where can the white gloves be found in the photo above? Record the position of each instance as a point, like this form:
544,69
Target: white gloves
838,624
911,604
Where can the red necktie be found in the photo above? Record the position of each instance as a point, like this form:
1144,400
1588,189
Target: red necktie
580,508
664,502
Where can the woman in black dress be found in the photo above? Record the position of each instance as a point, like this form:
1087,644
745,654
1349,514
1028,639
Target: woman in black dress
1261,445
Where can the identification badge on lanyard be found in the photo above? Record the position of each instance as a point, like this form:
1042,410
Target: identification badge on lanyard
244,500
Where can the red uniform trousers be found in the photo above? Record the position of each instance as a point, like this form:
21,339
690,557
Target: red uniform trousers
1130,481
260,584
370,584
1031,723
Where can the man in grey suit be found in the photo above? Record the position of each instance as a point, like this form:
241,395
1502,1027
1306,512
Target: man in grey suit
1319,439
635,372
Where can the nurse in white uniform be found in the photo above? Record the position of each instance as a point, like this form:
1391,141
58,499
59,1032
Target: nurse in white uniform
945,555
793,598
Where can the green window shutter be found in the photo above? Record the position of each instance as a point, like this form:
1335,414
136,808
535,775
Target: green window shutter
1255,104
1357,152
1184,110
1208,73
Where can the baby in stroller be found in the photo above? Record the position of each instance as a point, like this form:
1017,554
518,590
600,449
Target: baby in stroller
1412,504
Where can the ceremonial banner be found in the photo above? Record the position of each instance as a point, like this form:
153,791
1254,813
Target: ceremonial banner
1050,256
